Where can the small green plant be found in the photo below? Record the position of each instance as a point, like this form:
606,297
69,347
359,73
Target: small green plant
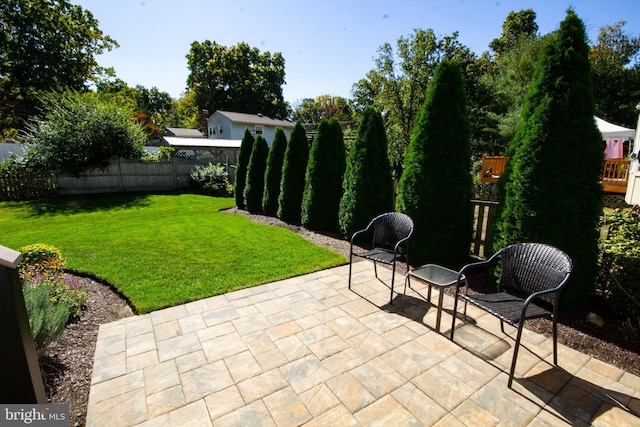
212,180
40,259
47,319
619,277
43,264
165,153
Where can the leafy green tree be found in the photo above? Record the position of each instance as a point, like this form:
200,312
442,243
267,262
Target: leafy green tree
367,185
273,175
435,188
516,26
323,107
254,187
550,190
323,179
510,81
294,168
80,131
398,84
45,46
616,74
246,148
237,78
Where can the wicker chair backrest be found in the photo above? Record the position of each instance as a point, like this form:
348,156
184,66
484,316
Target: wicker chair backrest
533,267
390,228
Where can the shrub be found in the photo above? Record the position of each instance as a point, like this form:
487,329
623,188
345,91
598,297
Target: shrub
550,191
435,188
40,259
211,180
367,185
254,186
246,147
323,180
620,263
273,175
44,265
294,168
47,319
80,131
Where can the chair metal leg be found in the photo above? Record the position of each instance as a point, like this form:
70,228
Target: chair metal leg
515,354
393,276
350,263
375,269
555,342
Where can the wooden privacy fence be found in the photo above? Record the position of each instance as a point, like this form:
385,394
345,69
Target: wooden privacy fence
119,176
483,211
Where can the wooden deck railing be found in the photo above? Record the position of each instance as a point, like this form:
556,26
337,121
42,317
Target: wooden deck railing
615,173
482,217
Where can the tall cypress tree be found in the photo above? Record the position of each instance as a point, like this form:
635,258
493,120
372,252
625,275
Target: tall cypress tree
246,146
293,170
255,175
368,184
551,191
273,175
323,180
435,188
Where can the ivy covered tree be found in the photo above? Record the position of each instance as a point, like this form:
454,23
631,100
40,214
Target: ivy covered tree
273,175
246,147
294,168
550,190
435,188
255,175
323,180
368,184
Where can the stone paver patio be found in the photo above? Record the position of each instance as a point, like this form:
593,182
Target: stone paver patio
309,351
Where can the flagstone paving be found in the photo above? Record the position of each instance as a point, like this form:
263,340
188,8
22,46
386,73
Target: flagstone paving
309,351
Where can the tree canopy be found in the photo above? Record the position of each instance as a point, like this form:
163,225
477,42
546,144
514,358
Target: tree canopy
237,78
398,84
45,46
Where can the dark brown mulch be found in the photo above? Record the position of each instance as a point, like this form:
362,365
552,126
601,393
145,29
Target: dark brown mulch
68,363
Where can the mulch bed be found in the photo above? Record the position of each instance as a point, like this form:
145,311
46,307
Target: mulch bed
68,363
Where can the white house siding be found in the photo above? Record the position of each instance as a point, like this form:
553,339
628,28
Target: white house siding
234,125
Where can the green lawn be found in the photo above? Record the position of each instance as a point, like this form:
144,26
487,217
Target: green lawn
162,250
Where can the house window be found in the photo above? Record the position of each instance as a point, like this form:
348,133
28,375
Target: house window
212,130
220,129
258,130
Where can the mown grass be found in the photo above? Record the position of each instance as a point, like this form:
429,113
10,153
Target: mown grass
162,250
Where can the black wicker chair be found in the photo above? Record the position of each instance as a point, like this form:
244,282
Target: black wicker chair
533,274
391,233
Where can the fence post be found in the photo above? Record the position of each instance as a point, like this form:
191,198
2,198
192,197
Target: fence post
22,380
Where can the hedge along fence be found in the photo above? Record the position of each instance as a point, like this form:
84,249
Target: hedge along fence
120,176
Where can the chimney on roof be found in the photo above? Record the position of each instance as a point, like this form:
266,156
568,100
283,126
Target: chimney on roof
204,123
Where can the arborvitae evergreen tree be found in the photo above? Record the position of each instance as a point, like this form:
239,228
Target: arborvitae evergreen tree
273,175
323,180
246,146
368,184
550,189
255,175
435,188
293,171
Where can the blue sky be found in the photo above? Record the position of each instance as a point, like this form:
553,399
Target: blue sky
328,45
